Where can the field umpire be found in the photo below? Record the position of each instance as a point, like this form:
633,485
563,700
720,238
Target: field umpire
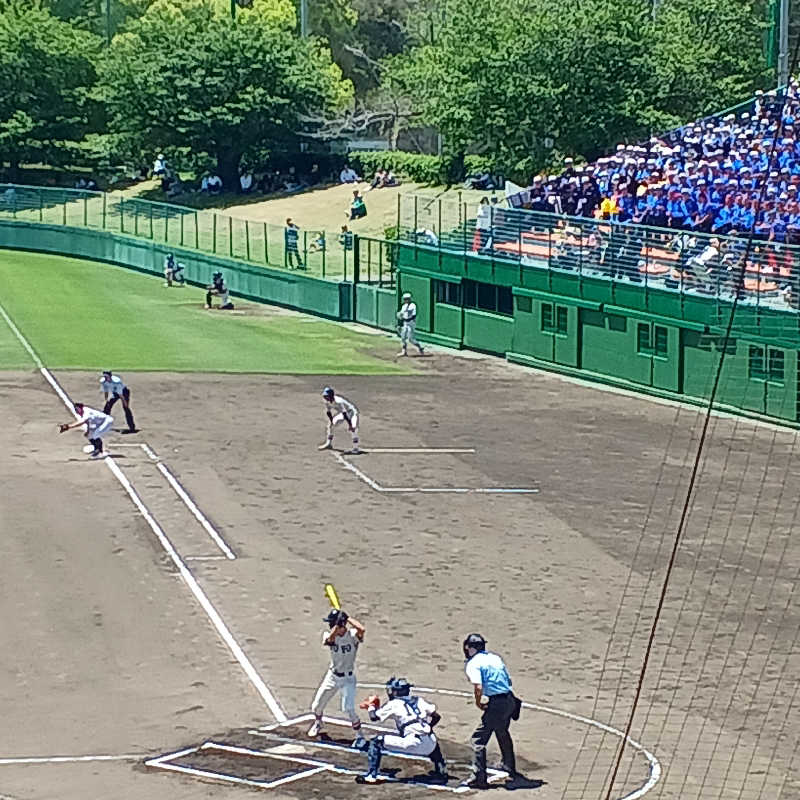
491,684
114,389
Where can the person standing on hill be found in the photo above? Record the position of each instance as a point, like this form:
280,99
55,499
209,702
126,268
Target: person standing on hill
291,236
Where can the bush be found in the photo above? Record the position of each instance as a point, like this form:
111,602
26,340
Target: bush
416,167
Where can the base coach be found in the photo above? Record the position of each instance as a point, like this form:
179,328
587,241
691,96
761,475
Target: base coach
491,684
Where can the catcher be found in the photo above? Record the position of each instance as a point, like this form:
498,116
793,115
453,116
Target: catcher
415,719
97,425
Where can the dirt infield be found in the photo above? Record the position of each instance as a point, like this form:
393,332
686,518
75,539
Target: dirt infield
109,653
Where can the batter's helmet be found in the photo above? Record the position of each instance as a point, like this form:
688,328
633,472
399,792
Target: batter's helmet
335,618
397,687
476,641
328,393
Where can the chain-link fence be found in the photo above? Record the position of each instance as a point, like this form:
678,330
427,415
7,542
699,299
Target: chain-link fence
315,253
677,260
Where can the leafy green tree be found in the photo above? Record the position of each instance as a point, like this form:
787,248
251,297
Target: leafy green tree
184,75
576,77
45,73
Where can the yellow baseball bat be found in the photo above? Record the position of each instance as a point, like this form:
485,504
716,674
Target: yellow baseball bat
333,598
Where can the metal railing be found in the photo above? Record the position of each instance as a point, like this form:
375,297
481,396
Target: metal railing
675,260
318,253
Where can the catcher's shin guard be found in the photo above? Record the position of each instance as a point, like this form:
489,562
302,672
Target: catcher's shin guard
375,754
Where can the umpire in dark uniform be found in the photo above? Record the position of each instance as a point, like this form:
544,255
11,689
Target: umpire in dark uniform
491,684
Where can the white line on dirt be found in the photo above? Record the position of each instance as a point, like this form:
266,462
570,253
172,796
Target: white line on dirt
431,450
196,512
185,573
654,763
373,484
67,759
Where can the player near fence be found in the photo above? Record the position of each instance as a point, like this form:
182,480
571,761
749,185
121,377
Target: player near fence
114,389
407,325
340,410
218,288
173,271
415,720
96,423
343,640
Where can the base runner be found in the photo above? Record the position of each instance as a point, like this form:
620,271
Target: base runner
343,639
114,389
97,425
415,719
339,409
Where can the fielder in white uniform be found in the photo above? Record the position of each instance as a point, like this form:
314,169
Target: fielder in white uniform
343,639
339,409
407,322
97,425
415,719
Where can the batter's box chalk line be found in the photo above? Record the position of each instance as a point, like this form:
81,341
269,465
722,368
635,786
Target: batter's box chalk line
300,766
373,484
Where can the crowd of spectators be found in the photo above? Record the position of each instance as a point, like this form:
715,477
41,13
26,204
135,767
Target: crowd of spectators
705,177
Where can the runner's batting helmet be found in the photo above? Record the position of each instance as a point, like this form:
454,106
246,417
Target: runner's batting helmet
328,393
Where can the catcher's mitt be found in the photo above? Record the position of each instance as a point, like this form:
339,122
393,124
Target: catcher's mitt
64,426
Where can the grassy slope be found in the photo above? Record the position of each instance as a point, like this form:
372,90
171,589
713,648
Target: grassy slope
84,315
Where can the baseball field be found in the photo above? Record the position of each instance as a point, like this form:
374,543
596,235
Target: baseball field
162,607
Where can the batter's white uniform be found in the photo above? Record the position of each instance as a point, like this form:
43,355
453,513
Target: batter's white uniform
340,677
407,317
97,423
338,409
412,716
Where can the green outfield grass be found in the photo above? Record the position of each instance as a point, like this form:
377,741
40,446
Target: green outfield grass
84,315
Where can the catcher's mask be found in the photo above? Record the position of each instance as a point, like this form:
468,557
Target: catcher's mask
397,687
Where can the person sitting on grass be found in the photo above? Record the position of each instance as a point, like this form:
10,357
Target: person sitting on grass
318,243
214,184
358,208
218,288
348,175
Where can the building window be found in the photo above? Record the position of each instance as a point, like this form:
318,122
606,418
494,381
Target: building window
524,304
755,364
643,341
488,297
447,293
660,341
652,340
555,318
775,365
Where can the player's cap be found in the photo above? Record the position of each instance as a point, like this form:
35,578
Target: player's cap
406,295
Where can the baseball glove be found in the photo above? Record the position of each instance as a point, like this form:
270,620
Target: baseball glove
64,426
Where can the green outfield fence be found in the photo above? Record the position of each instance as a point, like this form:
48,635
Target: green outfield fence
324,255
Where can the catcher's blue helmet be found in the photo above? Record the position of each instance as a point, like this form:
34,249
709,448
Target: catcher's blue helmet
397,687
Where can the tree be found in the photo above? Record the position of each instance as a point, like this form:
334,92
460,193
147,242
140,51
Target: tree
581,75
45,74
184,75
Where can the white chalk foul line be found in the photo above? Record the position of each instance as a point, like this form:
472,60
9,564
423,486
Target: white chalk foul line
185,573
67,759
653,762
373,484
426,450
